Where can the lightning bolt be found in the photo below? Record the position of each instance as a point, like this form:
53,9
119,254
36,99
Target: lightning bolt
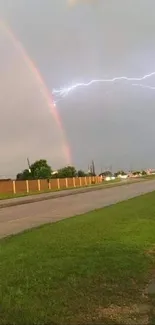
63,92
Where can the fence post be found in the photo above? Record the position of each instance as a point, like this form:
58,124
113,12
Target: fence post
74,182
89,180
58,183
66,182
14,187
49,184
27,186
39,185
85,180
80,181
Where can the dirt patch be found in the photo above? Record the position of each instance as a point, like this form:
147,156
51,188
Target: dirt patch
131,315
151,252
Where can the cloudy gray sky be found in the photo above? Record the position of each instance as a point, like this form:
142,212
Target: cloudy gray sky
110,123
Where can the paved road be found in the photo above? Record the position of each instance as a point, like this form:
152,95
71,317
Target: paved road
58,194
17,218
50,195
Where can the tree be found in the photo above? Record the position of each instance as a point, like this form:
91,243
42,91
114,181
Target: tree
137,172
81,173
119,172
41,169
24,175
19,176
38,170
144,172
67,172
107,173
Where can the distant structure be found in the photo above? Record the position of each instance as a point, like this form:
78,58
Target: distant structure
150,171
92,168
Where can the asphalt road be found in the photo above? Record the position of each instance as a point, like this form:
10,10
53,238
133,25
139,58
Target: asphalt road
18,218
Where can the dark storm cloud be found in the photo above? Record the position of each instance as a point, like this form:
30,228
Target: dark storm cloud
113,124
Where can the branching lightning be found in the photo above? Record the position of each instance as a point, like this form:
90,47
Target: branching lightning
63,92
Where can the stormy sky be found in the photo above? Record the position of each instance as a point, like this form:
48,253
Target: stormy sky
110,123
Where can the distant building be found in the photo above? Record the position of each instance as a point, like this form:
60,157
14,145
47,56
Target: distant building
123,176
150,171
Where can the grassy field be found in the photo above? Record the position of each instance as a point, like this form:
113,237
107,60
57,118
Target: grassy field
149,177
90,269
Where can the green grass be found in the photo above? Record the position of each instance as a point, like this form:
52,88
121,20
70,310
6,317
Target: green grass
80,270
149,177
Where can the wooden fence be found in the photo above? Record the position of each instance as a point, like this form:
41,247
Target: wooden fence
30,186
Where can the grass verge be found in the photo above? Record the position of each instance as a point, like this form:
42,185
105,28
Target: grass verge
90,269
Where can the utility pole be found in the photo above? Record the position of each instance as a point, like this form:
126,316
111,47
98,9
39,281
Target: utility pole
93,167
29,166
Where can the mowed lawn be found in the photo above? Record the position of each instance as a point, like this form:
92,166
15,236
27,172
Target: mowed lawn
89,269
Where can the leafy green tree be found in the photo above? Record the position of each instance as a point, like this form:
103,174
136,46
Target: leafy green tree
144,172
41,170
107,173
19,176
137,172
67,172
81,173
119,172
24,175
38,170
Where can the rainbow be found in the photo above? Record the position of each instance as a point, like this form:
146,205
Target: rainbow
42,86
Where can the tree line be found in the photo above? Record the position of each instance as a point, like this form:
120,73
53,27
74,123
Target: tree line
40,169
108,173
